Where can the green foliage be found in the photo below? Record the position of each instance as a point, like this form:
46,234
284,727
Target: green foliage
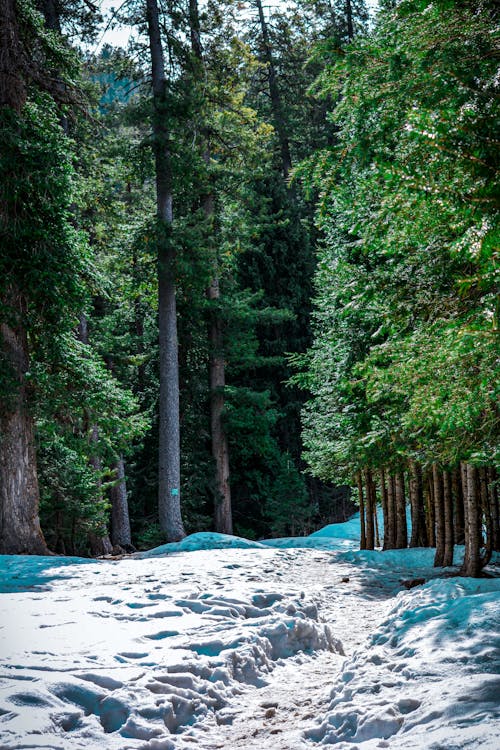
406,325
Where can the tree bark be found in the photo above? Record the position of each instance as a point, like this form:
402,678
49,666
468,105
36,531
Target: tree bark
20,531
169,492
449,535
217,366
400,503
276,103
429,508
458,504
439,514
120,520
385,509
350,25
369,527
486,511
472,559
495,516
415,489
362,541
391,513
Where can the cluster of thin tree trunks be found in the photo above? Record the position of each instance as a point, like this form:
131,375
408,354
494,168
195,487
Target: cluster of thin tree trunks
449,506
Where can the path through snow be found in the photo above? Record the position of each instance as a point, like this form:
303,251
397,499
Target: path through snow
208,645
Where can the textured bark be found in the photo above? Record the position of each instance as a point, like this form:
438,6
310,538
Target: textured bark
437,481
416,493
350,25
369,527
217,366
359,481
429,508
276,103
391,513
12,59
486,511
385,509
20,531
120,521
495,516
472,560
458,505
449,533
400,503
169,492
220,448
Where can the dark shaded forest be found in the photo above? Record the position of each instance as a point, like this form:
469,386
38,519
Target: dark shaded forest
249,273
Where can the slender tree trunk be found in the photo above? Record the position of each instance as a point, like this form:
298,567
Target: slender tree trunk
486,510
362,541
429,508
169,492
385,509
391,512
220,447
449,535
495,516
217,365
369,527
415,490
120,520
20,531
276,103
400,503
439,514
350,25
472,559
458,503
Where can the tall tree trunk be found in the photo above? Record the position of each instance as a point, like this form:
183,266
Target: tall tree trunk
385,509
472,559
449,533
350,25
217,367
370,528
120,520
220,447
437,482
486,510
169,492
391,512
458,504
359,481
415,490
495,515
276,103
429,508
400,503
20,531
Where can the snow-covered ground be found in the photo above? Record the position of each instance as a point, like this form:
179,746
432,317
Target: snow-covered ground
219,642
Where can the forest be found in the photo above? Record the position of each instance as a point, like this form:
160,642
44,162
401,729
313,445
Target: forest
249,273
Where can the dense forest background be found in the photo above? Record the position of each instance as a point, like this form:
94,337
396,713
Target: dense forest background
258,229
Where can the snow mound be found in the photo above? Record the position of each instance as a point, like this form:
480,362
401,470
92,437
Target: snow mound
348,530
428,677
203,540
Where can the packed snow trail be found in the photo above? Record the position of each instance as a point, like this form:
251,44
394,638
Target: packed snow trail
224,643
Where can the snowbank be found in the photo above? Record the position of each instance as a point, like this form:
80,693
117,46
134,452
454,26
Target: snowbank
429,677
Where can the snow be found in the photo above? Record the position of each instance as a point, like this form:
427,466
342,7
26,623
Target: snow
221,642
